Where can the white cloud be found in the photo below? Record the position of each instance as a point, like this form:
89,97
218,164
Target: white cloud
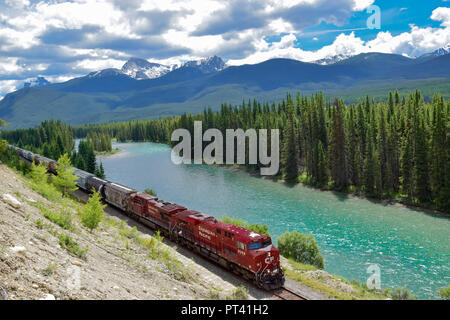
60,38
442,14
98,64
413,43
19,4
7,86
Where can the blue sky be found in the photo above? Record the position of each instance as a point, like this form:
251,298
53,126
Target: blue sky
61,39
396,17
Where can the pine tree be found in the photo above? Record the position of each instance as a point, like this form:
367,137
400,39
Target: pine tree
92,212
369,165
322,174
65,180
290,148
421,169
440,163
337,149
38,174
99,171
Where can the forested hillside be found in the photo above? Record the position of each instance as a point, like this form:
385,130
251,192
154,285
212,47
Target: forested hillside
110,95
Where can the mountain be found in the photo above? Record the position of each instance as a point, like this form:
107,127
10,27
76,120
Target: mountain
437,53
208,65
37,82
332,59
113,95
340,57
140,69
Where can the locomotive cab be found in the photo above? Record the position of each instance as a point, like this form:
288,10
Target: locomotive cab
267,262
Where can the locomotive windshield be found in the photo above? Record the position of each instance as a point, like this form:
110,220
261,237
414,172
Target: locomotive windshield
267,242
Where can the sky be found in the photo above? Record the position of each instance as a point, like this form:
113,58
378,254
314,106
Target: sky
61,40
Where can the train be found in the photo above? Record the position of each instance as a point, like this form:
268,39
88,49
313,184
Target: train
249,254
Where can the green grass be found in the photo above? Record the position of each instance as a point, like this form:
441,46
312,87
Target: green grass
71,245
298,273
108,153
51,268
62,217
239,293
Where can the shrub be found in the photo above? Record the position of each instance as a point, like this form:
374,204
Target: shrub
240,293
62,218
401,294
445,293
40,224
150,192
71,245
301,247
263,229
23,167
51,268
92,212
3,146
46,190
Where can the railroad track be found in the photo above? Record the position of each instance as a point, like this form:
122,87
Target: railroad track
286,294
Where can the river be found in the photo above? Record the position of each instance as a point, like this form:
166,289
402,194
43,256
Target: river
411,247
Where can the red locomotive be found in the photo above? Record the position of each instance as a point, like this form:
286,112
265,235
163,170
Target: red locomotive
247,253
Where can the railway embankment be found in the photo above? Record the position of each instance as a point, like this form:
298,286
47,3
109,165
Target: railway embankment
46,253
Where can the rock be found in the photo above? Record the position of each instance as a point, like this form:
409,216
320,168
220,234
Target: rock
13,202
48,296
31,200
116,288
18,249
35,286
77,263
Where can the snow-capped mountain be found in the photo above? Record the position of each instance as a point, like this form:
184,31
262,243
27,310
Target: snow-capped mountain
105,73
439,52
333,59
207,65
141,69
37,82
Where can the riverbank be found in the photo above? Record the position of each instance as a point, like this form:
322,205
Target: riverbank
108,153
349,193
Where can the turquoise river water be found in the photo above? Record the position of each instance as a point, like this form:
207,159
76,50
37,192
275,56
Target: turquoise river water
411,247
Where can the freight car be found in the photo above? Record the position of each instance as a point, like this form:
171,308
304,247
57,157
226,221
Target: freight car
249,254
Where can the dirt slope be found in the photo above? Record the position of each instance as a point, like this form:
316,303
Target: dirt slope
33,265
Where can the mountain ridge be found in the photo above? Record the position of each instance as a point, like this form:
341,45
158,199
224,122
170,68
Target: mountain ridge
110,94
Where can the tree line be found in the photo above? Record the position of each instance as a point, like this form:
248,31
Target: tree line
53,139
50,139
397,148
